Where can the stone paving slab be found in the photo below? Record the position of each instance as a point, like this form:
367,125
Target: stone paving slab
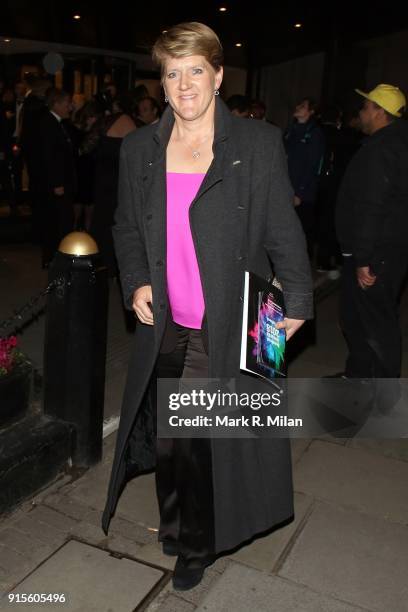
137,503
298,446
139,500
264,552
88,516
91,579
351,556
397,449
242,589
351,477
167,600
175,604
152,553
331,439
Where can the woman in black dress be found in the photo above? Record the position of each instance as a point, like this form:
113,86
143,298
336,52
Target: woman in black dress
116,127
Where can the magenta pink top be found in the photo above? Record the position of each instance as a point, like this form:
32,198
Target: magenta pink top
183,276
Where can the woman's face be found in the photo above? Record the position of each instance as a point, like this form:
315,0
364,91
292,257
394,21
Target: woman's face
189,84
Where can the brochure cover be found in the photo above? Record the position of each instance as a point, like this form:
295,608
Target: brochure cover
262,345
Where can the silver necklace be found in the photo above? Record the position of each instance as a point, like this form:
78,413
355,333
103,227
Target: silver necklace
195,152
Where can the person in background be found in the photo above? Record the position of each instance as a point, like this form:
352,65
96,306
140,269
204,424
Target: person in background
257,110
16,160
371,223
106,177
106,98
148,110
57,176
7,106
136,94
239,105
335,159
78,103
139,91
34,108
5,148
304,143
90,124
112,90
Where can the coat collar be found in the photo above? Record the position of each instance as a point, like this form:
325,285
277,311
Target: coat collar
161,137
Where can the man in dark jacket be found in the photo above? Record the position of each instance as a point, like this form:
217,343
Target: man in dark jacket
371,223
57,179
33,109
337,155
304,143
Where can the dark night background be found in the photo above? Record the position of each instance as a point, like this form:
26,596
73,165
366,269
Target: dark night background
339,47
266,32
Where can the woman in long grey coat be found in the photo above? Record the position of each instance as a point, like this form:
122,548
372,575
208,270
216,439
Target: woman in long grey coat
203,197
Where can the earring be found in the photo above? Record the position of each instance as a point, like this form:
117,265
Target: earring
166,99
216,92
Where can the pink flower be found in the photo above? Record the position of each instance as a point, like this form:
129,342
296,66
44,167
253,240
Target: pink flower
7,353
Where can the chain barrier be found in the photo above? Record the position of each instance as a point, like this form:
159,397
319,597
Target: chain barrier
19,315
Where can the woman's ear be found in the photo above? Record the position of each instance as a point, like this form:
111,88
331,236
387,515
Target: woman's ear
218,77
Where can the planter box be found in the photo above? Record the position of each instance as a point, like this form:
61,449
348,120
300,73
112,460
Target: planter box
33,452
15,391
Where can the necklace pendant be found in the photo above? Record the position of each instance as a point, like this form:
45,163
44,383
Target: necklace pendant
196,154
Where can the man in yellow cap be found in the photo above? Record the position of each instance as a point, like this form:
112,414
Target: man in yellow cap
372,228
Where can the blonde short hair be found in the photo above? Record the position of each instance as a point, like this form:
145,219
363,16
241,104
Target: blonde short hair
190,38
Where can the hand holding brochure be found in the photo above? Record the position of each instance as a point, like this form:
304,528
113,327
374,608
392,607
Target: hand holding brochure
262,344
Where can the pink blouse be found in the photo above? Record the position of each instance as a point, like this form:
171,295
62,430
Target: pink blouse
183,276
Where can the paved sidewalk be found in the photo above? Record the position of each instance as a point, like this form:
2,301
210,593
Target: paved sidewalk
347,549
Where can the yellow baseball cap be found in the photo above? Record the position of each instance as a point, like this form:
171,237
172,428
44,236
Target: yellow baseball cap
390,98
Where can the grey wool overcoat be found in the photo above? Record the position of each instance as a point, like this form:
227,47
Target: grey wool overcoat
242,218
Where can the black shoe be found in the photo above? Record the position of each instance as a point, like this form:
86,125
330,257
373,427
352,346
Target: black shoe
185,578
171,549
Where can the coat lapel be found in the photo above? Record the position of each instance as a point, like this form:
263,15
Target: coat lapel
155,190
216,169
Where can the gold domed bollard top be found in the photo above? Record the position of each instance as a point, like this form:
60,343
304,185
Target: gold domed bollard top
78,244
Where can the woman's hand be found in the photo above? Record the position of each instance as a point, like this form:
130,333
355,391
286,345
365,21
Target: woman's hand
290,325
365,277
142,300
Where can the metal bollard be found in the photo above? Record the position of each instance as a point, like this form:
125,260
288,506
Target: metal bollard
75,344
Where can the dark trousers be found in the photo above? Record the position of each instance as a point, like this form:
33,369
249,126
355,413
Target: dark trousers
306,214
328,250
184,469
369,319
16,167
5,180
